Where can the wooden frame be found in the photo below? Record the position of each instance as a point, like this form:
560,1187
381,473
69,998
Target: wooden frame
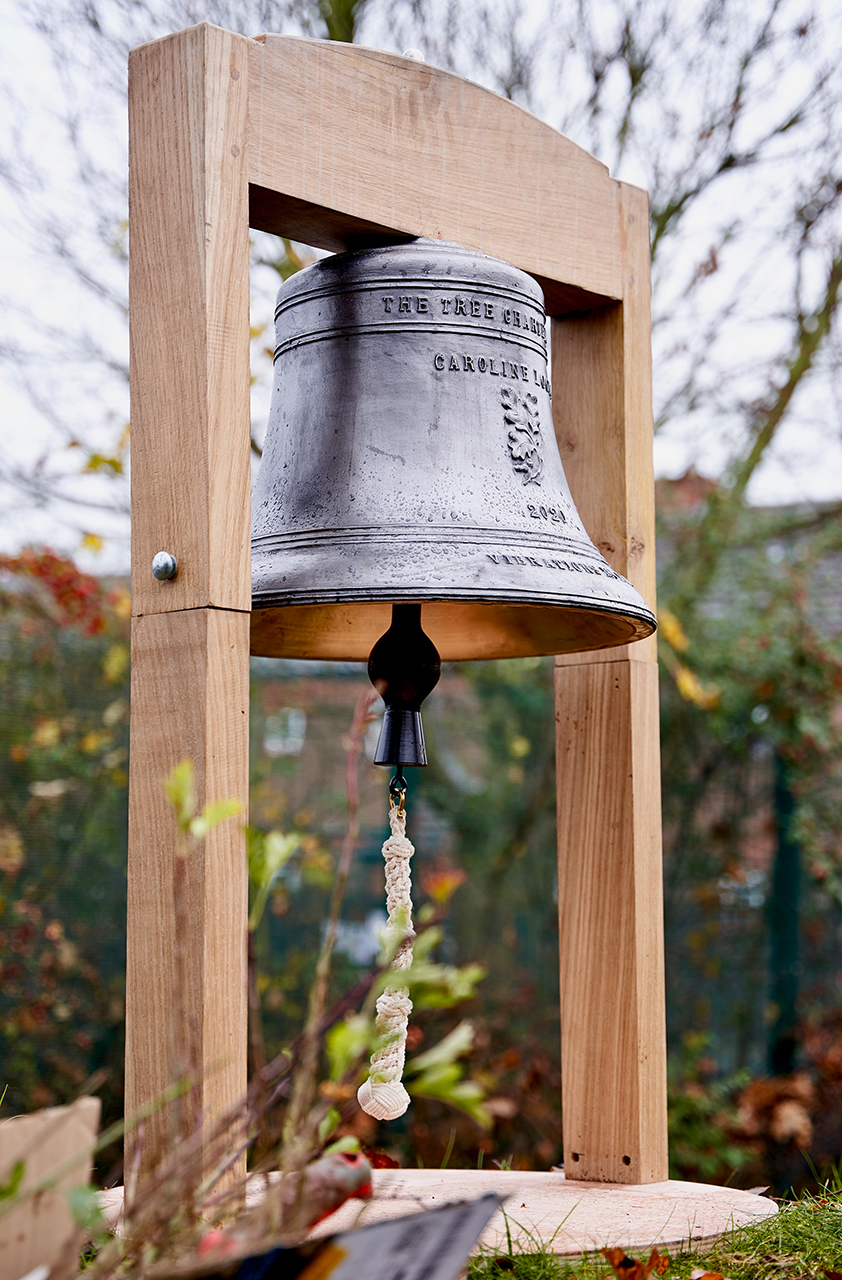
339,146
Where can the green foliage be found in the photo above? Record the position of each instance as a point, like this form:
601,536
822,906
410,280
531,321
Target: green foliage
63,748
86,1213
433,1074
764,636
703,1128
458,1042
180,790
9,1189
433,985
491,782
268,854
436,1074
346,1043
327,1125
211,816
346,1145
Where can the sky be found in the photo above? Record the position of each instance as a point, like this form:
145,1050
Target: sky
52,393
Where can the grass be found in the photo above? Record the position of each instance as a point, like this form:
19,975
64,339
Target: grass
803,1241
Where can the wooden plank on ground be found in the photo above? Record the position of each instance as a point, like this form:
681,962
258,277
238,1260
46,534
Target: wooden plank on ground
40,1231
566,1218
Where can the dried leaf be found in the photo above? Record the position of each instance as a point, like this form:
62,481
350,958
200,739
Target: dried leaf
627,1268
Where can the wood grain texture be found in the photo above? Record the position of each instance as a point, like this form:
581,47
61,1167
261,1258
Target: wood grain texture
602,406
190,697
567,1218
189,302
376,144
609,811
611,923
40,1232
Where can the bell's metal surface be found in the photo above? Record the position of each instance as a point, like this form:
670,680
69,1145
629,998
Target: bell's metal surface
410,457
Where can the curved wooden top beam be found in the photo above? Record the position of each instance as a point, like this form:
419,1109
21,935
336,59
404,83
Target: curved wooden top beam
348,146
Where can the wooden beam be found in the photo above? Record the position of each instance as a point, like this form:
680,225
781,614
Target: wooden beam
189,281
385,146
609,814
190,496
190,698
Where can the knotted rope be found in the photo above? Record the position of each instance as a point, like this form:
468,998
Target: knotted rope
382,1095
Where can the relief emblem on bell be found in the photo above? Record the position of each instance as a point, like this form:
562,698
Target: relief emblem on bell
410,457
525,444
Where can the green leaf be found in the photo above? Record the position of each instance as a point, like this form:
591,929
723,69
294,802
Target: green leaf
393,935
328,1123
180,790
346,1042
438,986
212,814
437,1074
459,1041
100,462
441,1076
10,1188
446,1085
425,943
348,1144
268,853
85,1210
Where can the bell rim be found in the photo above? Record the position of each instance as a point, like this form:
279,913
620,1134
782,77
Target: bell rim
408,595
326,631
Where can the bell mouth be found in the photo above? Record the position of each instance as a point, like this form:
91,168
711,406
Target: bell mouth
460,629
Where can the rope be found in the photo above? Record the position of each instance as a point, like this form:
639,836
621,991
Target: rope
382,1095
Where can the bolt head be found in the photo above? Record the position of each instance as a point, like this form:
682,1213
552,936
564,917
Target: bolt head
415,54
164,566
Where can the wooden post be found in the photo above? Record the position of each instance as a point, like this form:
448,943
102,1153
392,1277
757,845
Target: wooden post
609,811
339,146
190,496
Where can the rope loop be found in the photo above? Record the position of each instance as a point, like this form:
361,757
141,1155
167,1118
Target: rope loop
382,1095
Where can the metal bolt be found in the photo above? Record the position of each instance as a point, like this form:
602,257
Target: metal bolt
415,54
164,566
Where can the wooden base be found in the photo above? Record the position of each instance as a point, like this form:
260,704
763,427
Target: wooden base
544,1209
567,1218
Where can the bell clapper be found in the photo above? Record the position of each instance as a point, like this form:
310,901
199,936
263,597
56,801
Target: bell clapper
404,666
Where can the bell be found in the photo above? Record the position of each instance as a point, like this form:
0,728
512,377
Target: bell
410,458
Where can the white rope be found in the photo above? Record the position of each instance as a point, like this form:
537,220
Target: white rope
382,1095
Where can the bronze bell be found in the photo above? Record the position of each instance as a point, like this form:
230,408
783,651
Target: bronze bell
410,458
